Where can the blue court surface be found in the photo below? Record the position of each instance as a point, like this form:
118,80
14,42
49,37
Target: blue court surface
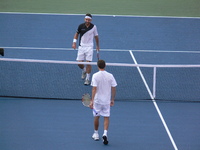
40,103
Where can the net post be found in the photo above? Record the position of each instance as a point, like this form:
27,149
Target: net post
154,82
1,51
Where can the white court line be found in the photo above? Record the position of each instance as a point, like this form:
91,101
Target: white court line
40,48
101,15
149,51
155,104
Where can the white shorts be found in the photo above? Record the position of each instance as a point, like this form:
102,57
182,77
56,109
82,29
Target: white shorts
85,53
101,110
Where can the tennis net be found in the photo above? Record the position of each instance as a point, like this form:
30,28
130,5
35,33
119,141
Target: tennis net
52,79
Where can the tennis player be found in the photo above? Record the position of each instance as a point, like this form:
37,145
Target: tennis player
87,32
103,96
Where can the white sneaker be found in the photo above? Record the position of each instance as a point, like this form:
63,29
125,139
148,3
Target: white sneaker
95,136
83,75
87,82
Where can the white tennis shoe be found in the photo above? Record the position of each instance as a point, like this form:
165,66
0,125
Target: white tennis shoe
87,82
83,75
95,136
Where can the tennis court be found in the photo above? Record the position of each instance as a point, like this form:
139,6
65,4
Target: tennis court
40,103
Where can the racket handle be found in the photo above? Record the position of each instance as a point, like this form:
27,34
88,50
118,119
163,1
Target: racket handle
94,111
98,54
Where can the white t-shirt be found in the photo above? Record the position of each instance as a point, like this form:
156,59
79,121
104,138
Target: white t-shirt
103,80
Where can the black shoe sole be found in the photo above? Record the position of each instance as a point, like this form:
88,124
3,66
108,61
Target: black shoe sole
105,140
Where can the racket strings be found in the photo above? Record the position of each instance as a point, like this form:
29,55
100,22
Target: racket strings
86,99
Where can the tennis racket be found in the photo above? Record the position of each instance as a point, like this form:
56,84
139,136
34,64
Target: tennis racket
1,51
86,99
98,55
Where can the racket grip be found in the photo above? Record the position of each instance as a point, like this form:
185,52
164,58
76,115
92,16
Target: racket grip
98,54
94,111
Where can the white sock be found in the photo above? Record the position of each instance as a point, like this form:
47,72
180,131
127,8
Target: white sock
105,132
95,131
88,76
84,69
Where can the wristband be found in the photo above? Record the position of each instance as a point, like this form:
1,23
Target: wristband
74,40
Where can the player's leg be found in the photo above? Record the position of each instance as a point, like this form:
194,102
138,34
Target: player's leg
96,115
89,57
83,68
96,122
106,125
81,58
95,136
88,72
106,114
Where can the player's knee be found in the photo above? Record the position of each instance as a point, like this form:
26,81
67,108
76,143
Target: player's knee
81,66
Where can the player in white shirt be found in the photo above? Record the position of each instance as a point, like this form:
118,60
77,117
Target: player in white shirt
87,32
103,96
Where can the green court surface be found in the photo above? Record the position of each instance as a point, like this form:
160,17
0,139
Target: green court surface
181,8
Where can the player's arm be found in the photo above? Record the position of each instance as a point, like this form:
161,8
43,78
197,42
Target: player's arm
74,41
97,42
113,93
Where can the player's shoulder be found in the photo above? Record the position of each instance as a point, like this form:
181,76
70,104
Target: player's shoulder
96,73
108,72
82,25
110,75
92,26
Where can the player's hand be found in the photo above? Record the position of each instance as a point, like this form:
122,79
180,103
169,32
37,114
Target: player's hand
97,48
74,45
91,104
112,103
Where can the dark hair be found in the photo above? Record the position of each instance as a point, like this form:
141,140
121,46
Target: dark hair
89,15
101,64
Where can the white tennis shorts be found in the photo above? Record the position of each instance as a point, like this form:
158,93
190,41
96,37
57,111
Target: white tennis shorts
101,110
85,53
